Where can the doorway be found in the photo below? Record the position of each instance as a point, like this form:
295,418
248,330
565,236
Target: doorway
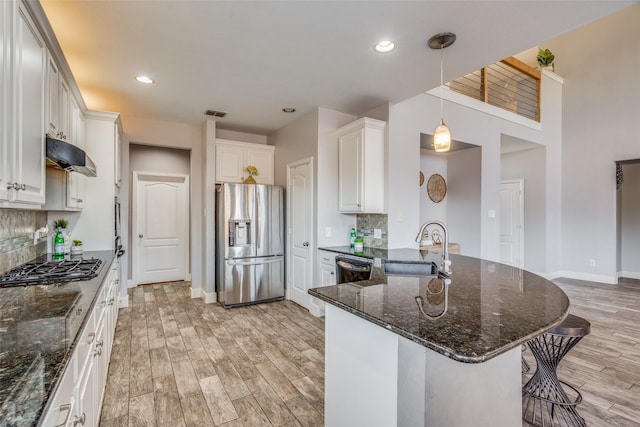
512,222
299,230
160,227
628,218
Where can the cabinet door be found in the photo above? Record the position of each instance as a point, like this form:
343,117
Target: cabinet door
76,181
229,163
262,159
53,94
30,63
327,268
350,190
64,120
63,404
5,88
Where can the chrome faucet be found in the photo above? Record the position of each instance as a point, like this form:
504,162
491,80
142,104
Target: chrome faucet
445,264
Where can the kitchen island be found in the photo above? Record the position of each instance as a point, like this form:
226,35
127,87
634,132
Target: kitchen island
39,329
418,351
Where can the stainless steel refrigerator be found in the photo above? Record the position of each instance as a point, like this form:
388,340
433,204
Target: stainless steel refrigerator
249,243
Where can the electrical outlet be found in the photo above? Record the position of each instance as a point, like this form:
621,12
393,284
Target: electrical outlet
327,232
377,233
592,263
377,262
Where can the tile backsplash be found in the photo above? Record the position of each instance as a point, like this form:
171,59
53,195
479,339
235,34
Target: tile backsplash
366,223
16,244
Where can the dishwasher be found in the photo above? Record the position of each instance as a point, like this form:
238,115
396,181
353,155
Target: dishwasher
353,269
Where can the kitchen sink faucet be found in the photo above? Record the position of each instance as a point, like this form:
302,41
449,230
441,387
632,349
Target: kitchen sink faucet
445,264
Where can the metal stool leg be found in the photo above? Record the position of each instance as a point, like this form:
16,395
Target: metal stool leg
544,400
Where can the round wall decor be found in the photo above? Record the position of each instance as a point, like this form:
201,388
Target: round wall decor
421,179
436,188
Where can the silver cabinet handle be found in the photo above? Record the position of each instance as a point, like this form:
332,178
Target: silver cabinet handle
65,407
23,187
80,200
140,236
9,185
79,419
111,301
305,244
97,352
92,336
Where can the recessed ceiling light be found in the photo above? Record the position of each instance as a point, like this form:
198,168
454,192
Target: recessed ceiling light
289,110
385,46
144,79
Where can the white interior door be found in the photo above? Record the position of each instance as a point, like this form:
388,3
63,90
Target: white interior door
299,230
160,227
512,223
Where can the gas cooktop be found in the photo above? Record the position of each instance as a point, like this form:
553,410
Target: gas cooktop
42,273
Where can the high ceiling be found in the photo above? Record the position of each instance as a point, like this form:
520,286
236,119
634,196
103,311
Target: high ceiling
251,59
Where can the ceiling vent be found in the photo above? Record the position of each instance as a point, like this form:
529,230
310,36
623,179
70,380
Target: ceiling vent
215,113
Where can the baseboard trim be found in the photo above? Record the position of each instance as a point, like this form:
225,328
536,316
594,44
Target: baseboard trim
123,301
209,297
196,292
629,274
188,277
130,284
600,278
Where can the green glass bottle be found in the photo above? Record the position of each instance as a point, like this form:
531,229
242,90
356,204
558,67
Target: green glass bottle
352,237
58,246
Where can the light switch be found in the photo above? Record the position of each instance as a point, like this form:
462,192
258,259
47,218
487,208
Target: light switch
327,232
377,262
377,233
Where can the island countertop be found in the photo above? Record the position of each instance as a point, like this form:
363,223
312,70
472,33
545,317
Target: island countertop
490,307
39,325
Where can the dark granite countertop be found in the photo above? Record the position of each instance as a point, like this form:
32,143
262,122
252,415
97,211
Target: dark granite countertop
490,307
39,325
402,254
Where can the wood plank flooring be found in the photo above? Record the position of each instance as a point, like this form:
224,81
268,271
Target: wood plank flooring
179,362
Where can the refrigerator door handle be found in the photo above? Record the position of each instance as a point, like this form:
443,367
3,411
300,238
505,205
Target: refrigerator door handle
256,261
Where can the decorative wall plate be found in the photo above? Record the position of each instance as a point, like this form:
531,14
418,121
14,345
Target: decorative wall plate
421,178
436,188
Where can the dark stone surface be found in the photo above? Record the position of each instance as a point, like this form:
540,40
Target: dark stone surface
39,325
491,307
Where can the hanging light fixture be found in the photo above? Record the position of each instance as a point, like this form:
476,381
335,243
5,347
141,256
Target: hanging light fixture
442,135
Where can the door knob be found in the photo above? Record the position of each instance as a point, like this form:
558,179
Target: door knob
140,236
305,244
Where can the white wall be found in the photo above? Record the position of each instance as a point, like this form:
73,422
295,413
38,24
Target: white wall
530,166
94,225
240,136
430,163
630,221
464,207
469,122
327,181
600,125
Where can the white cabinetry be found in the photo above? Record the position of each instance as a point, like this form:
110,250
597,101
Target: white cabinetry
23,100
326,276
232,158
78,398
5,86
59,120
75,181
361,166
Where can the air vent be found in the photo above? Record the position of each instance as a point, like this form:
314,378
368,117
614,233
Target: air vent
215,113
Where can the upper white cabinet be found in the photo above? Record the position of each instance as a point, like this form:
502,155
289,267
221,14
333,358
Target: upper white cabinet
59,105
233,157
4,98
75,181
361,166
23,100
116,163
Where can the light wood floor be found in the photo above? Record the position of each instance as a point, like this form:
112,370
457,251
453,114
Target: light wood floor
179,362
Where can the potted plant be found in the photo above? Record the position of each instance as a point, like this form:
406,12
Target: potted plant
545,58
76,248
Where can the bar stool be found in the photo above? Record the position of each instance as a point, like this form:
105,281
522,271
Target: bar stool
544,400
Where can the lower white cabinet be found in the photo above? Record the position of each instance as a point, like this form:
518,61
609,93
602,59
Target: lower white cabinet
326,276
78,399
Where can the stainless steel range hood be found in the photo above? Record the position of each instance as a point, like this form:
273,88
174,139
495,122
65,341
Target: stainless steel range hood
69,157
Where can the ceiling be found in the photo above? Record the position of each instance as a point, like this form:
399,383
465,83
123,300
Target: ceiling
251,59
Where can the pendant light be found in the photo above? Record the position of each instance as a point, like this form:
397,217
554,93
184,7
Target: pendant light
442,134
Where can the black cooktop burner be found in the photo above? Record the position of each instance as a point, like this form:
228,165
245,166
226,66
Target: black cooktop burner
42,273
